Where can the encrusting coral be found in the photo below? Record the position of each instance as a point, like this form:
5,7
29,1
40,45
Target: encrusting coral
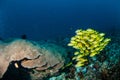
88,43
44,59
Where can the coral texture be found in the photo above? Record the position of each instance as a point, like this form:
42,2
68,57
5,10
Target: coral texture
43,59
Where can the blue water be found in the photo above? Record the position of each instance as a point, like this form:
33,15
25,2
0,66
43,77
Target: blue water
49,19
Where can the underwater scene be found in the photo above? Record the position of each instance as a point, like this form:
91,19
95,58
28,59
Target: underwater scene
59,39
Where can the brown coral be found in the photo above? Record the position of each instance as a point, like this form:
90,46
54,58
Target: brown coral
44,58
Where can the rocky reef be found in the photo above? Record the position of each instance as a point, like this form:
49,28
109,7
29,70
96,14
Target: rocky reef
22,59
30,60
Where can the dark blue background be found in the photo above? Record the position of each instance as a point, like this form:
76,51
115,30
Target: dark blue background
48,19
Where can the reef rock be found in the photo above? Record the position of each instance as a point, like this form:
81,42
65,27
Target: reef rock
44,59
